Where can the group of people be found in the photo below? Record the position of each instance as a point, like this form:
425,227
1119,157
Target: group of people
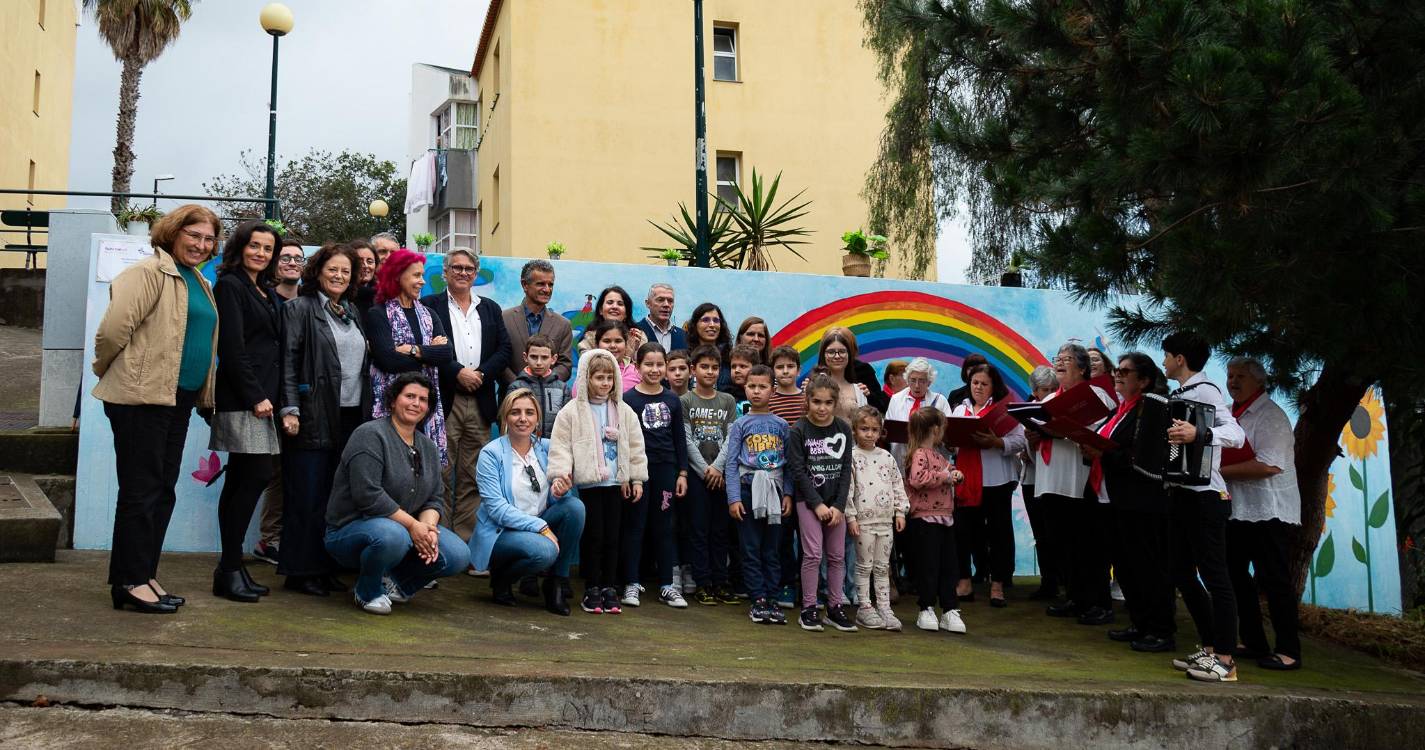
702,463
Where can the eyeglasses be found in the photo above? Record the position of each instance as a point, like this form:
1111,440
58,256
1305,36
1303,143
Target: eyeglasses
533,478
836,353
709,319
292,260
1121,371
200,238
460,270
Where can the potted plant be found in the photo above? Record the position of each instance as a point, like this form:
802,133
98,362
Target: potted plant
136,220
555,250
861,249
277,226
423,240
672,256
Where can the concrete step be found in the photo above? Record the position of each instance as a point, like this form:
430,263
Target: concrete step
39,451
29,524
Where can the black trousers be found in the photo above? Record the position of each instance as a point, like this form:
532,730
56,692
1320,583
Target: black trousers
649,518
1038,511
1141,567
937,567
306,484
148,453
1199,544
243,482
1265,546
599,545
1053,535
1090,525
706,544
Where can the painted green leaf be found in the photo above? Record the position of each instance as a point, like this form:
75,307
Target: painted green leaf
1380,510
1326,558
1358,550
1356,480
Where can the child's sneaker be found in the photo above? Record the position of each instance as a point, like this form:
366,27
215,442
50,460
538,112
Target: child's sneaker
926,620
689,583
810,619
839,620
758,611
1212,670
703,596
266,552
951,621
787,598
673,597
775,616
891,622
869,618
593,602
1188,661
724,595
611,604
630,594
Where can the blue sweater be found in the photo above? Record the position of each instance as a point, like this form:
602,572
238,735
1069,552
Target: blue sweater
760,442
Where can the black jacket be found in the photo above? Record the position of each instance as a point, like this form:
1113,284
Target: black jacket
1128,489
249,345
494,352
311,372
862,372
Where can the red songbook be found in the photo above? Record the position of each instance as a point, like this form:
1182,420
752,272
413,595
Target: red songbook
1069,415
1238,455
960,431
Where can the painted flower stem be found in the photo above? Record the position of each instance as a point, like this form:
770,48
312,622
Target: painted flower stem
1366,542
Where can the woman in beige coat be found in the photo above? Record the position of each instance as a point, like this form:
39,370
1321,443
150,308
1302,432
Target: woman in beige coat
154,355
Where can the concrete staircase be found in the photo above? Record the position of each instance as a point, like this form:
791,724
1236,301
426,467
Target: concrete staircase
36,493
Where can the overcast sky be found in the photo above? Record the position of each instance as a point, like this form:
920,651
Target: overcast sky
344,81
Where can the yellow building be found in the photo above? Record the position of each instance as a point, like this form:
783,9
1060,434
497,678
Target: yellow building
586,119
37,41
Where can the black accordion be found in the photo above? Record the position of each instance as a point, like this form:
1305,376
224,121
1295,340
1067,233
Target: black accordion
1153,456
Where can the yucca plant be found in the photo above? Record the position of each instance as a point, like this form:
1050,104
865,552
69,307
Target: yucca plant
759,224
683,230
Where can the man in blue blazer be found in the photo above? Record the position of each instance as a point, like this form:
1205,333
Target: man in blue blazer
468,383
658,325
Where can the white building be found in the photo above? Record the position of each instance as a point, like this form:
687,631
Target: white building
444,127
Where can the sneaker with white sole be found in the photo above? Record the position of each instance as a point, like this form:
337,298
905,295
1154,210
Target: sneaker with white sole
381,605
630,594
810,619
393,592
266,552
889,620
1187,661
672,597
1115,592
593,602
951,621
472,572
927,620
869,618
1212,670
838,619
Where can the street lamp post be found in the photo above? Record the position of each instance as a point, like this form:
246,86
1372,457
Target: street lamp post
700,129
276,20
156,180
378,210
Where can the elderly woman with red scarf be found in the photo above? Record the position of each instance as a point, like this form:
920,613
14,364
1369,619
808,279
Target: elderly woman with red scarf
406,336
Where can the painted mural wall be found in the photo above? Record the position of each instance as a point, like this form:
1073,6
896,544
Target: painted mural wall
1016,329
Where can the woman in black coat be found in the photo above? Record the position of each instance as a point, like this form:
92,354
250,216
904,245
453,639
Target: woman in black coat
249,373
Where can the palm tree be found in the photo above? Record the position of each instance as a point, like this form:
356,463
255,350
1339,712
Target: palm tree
137,31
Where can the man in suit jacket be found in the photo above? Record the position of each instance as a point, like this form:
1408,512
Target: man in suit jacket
532,316
468,382
658,325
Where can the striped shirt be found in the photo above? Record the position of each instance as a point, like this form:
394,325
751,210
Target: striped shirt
788,406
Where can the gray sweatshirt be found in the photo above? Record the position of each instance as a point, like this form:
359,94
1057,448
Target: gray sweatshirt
376,477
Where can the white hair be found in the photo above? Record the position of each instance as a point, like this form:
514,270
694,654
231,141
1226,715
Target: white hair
1251,365
656,286
921,364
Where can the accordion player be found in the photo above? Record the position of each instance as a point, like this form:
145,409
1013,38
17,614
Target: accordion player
1189,464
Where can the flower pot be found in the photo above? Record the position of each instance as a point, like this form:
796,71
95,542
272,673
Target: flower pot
855,264
671,261
555,256
137,228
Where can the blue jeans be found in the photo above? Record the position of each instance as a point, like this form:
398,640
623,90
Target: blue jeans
522,553
380,547
761,568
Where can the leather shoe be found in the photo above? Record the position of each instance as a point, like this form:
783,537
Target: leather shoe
309,585
252,585
554,600
1126,635
229,584
1066,609
122,598
176,601
998,602
530,586
1276,664
1152,644
1096,616
500,589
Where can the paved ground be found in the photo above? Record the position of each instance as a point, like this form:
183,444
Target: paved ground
19,377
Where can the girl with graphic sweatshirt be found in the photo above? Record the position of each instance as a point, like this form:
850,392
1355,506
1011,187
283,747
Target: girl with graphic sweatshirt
929,479
597,441
819,466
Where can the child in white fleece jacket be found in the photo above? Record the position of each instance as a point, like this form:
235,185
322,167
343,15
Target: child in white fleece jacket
877,504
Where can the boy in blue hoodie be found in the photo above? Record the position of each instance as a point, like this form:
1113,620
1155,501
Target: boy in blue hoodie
757,442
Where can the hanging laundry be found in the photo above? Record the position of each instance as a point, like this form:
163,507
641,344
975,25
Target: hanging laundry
420,187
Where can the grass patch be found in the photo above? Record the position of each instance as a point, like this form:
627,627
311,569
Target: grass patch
1399,640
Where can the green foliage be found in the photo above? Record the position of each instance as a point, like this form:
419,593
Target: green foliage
324,196
148,214
671,254
277,226
684,231
857,242
423,239
1326,558
759,224
555,249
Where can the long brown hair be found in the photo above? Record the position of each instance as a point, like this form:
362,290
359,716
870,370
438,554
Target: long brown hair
921,428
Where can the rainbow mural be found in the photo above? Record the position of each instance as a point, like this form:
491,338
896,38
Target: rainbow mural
905,324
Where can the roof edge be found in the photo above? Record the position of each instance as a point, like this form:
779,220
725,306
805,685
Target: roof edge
486,31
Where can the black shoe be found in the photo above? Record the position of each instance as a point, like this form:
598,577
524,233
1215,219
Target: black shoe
838,619
229,584
1276,664
810,619
724,595
1125,635
252,585
122,597
1064,609
333,584
998,602
530,587
309,585
176,601
593,602
554,600
1096,616
704,596
1044,594
966,597
500,589
1152,644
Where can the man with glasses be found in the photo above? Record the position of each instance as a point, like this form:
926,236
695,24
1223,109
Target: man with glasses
290,263
532,316
467,382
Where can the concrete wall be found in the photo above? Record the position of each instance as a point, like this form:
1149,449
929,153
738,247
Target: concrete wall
22,297
66,289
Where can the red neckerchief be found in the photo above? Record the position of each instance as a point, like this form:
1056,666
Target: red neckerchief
1240,407
915,404
1246,452
1096,469
968,461
1046,446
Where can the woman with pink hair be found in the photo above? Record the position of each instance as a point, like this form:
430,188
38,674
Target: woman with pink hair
406,336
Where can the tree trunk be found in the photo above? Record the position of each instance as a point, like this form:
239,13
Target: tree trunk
124,137
1326,407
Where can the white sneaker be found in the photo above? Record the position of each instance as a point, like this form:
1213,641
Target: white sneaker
1187,661
869,618
926,620
672,597
381,605
1115,592
689,585
1212,670
889,621
630,595
951,621
393,592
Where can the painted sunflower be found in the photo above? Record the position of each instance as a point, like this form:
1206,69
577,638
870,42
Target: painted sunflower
1362,435
1330,501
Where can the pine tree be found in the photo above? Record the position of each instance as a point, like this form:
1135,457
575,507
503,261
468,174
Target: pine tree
1256,168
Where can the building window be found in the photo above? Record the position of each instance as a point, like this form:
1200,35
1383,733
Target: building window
724,53
37,93
729,172
41,5
495,201
457,228
31,197
456,125
495,71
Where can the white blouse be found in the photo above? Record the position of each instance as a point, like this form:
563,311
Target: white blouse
1000,465
1276,497
1065,473
899,410
525,498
